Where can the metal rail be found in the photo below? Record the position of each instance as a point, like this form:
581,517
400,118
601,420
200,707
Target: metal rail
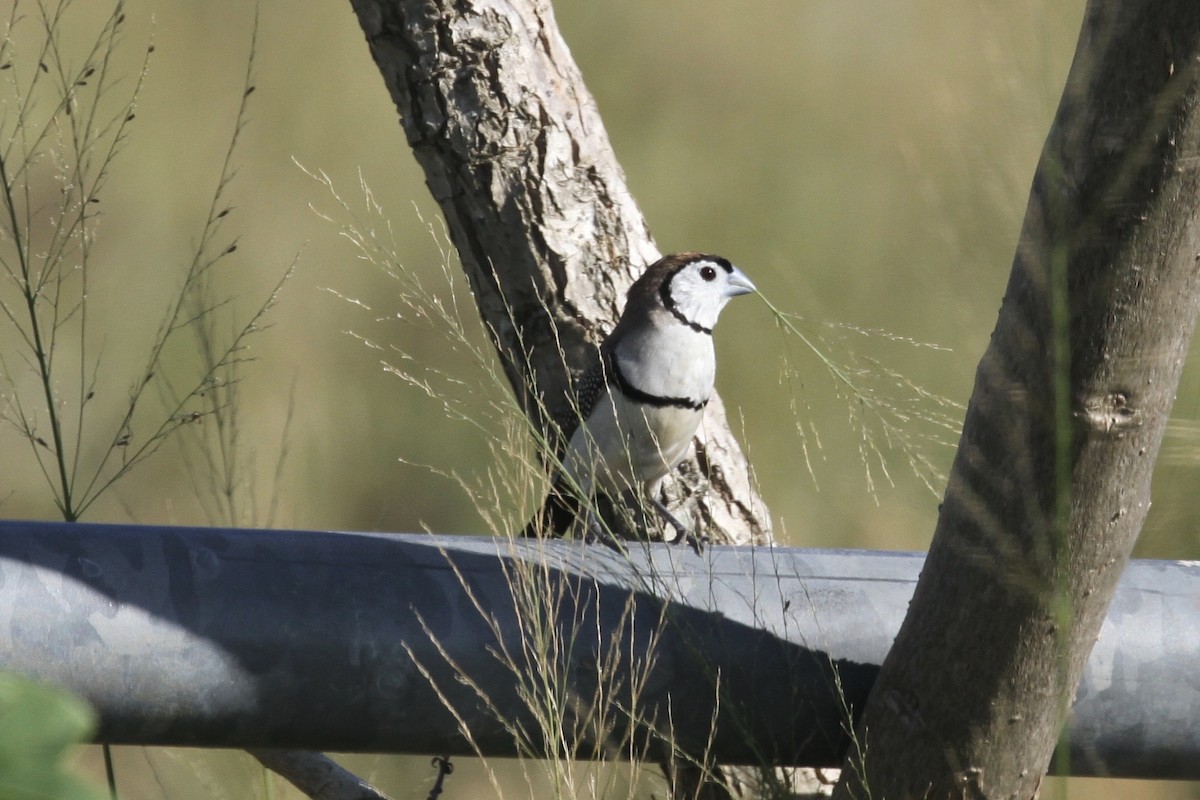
400,643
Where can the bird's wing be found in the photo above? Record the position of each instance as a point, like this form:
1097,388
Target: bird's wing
586,392
562,506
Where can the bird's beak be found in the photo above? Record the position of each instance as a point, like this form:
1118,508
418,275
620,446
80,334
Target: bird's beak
739,284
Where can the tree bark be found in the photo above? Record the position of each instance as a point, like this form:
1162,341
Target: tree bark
1051,482
516,155
316,775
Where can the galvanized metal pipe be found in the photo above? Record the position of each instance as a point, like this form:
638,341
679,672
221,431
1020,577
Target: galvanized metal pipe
404,643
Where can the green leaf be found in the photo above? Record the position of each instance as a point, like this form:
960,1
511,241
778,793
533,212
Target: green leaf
38,725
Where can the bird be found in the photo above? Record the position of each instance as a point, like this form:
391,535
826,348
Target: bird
636,410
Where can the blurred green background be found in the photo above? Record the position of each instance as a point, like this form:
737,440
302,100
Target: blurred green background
866,163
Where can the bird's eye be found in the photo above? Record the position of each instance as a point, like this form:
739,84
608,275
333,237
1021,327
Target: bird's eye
708,273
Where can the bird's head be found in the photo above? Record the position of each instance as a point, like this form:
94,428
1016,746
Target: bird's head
696,286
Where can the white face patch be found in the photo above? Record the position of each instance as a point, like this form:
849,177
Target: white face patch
702,288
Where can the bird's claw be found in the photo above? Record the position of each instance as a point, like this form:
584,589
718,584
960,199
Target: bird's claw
696,541
596,533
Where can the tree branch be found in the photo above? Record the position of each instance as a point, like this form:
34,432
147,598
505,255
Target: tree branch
318,776
1051,482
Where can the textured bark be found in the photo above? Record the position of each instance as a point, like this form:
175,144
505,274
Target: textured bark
514,152
1051,482
316,775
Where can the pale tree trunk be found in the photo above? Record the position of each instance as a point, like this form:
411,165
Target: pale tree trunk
516,155
1051,482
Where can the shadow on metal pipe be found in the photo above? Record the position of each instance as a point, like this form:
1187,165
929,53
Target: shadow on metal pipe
463,645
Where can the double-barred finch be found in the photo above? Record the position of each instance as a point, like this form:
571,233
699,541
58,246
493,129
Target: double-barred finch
638,408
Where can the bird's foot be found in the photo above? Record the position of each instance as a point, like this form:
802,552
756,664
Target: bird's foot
693,539
696,541
597,533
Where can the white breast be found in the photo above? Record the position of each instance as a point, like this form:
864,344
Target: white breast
627,445
669,360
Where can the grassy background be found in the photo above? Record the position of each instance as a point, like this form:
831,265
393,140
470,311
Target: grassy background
866,163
